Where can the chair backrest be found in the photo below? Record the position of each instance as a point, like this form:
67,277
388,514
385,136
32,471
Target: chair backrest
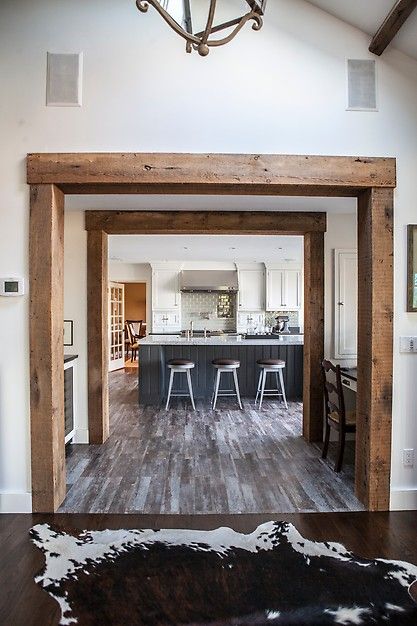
133,328
333,391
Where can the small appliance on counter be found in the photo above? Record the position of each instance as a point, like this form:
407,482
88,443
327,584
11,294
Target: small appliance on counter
281,327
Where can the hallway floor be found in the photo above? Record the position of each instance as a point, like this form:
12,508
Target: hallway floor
225,461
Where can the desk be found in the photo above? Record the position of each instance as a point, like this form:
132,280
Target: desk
350,377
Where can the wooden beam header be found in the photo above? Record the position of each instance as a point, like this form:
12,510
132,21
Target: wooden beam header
233,174
395,19
205,222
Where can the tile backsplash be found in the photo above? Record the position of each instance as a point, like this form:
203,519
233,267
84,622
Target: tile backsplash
206,310
293,316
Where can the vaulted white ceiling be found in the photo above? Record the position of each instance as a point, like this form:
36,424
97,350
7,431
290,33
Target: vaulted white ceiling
368,15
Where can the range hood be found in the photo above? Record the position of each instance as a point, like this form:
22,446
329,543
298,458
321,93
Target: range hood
209,280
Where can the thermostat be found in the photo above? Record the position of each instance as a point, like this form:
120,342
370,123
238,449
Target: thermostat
12,286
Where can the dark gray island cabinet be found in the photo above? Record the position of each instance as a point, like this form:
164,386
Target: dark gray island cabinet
155,351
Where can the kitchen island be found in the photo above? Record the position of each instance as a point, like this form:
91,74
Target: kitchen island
156,350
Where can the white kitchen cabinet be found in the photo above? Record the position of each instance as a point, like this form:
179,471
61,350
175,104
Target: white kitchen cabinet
166,294
345,304
283,289
292,290
251,290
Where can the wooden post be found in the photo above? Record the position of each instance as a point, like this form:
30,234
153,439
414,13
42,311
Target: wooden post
46,313
98,341
313,335
375,347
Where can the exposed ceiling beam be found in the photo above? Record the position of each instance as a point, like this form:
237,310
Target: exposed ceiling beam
398,15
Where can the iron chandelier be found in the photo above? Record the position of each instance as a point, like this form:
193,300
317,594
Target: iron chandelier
177,13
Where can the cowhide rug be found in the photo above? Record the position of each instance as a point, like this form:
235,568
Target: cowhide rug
272,576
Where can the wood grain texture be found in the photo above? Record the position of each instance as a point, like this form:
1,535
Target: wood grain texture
98,341
46,255
197,462
375,348
395,19
210,173
313,335
205,222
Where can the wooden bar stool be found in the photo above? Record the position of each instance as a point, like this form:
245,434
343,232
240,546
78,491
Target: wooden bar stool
180,366
271,366
223,366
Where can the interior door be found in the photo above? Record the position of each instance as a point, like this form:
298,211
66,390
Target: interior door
346,304
116,326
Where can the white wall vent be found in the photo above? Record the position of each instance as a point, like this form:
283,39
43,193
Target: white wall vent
361,85
64,80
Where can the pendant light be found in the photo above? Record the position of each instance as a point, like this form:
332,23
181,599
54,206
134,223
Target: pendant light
179,16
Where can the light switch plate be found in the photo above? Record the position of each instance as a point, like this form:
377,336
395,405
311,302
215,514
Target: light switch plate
408,344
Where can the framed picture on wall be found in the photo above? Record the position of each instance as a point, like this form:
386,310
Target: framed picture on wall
68,332
412,269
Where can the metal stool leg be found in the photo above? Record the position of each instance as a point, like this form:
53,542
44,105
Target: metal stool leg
190,388
281,380
237,388
258,391
171,379
263,388
216,388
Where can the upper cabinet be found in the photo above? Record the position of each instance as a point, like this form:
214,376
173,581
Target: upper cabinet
346,304
251,296
283,289
166,294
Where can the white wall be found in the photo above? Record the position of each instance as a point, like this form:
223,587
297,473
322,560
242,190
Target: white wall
281,90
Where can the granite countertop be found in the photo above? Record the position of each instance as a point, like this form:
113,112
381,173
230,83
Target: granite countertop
222,340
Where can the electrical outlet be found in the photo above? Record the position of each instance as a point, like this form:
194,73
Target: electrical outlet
408,344
408,457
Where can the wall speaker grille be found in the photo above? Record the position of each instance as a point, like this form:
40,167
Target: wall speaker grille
64,79
362,94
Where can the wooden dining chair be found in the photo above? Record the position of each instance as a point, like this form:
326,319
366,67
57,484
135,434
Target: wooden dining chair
336,416
133,337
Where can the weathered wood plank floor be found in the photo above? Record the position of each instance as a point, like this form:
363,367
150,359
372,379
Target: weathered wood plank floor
225,461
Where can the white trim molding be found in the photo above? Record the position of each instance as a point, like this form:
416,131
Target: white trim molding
403,500
80,435
15,502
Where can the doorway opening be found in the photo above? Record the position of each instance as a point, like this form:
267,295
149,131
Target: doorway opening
370,180
225,460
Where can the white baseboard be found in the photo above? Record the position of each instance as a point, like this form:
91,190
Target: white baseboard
403,500
15,502
80,435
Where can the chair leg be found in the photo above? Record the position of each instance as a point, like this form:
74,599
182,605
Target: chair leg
258,391
235,378
326,442
171,378
339,461
262,389
216,388
281,380
190,388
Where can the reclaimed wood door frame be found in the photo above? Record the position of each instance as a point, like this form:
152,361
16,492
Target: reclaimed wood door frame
371,180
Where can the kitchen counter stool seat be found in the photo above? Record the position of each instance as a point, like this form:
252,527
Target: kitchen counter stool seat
223,366
271,366
180,366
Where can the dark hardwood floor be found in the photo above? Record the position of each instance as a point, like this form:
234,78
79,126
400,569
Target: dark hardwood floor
23,603
185,462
